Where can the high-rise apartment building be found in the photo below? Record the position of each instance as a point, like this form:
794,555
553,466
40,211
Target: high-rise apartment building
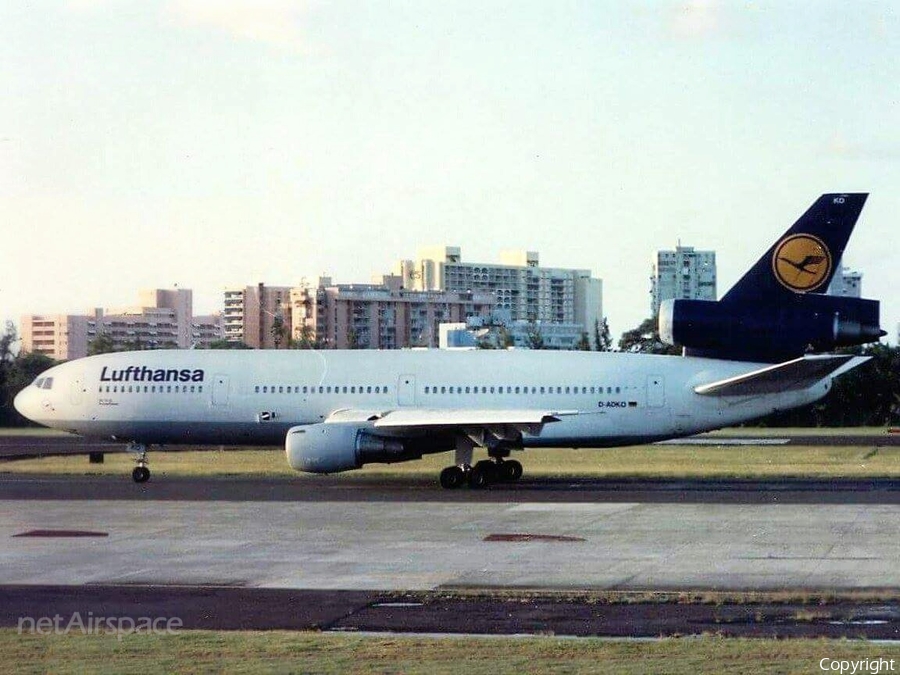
257,315
523,290
846,283
682,274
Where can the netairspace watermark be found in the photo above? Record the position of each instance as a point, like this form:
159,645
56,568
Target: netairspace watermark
120,626
869,666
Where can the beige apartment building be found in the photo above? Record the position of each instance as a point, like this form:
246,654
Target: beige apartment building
379,316
62,337
252,313
161,319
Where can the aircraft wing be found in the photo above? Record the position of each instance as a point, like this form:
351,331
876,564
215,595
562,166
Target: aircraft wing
497,422
793,375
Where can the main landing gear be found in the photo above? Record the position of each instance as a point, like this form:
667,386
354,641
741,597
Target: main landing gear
485,472
141,473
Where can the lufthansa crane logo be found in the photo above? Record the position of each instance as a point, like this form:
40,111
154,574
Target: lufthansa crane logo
801,263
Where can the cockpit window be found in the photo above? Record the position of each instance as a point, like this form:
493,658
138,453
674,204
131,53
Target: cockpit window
39,382
48,383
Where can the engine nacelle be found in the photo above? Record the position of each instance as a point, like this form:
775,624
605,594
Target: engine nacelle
768,333
340,446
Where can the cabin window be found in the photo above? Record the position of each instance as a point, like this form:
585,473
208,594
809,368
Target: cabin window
618,390
443,390
352,390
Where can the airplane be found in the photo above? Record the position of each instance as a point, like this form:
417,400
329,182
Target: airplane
752,353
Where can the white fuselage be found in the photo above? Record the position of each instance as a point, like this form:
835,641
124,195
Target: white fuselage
254,397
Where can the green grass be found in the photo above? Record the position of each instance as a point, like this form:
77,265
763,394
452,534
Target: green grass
868,459
636,462
288,652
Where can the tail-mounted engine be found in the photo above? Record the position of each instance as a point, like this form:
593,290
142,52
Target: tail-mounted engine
769,333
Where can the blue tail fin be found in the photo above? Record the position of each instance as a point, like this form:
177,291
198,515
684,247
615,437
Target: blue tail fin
806,257
779,310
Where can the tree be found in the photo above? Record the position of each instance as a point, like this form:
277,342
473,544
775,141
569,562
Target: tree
136,345
534,339
7,364
228,344
277,330
102,344
16,373
583,343
306,338
602,337
353,339
645,340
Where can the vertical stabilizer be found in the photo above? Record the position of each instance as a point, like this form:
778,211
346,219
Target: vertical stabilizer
805,258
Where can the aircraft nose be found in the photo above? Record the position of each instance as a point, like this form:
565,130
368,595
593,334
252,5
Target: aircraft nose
26,403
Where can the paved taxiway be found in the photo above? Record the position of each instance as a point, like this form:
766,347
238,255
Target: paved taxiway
418,545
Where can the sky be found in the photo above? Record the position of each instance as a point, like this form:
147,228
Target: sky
211,144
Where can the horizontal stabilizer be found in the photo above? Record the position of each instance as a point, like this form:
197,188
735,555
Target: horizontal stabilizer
795,375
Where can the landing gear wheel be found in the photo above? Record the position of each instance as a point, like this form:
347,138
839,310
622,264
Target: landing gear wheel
141,474
452,477
482,474
510,470
478,478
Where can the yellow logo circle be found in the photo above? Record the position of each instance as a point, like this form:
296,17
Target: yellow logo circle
801,263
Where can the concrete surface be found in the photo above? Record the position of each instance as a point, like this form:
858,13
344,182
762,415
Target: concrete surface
358,545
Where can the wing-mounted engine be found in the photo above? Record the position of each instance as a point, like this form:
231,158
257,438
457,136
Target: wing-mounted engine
768,333
331,447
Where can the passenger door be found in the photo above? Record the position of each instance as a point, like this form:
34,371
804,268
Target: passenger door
406,390
220,390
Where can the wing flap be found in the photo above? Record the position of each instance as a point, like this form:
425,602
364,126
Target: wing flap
420,417
793,375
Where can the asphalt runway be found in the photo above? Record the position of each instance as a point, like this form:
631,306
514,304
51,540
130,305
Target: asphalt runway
368,489
364,554
580,615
